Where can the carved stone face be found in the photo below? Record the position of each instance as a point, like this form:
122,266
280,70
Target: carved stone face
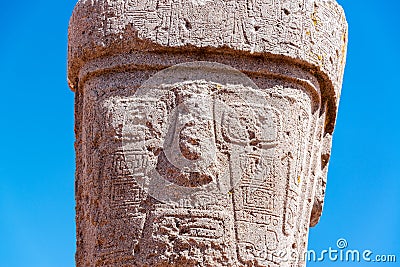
209,168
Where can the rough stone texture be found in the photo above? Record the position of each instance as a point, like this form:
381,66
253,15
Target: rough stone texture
202,164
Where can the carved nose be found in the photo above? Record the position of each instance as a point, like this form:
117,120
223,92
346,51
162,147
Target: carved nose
190,146
190,140
196,145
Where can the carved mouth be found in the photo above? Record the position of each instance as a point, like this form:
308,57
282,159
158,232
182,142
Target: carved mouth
177,176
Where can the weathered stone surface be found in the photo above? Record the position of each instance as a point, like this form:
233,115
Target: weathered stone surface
203,128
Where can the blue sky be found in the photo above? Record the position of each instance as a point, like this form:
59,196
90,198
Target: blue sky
37,225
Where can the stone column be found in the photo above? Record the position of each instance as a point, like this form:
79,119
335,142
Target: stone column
203,128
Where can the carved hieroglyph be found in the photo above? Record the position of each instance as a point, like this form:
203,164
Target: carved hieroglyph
203,128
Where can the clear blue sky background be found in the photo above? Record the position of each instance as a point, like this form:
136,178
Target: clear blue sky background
37,225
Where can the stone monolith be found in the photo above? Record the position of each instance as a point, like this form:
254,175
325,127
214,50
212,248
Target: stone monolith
203,128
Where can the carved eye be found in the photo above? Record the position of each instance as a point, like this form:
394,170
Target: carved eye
267,124
250,125
233,129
